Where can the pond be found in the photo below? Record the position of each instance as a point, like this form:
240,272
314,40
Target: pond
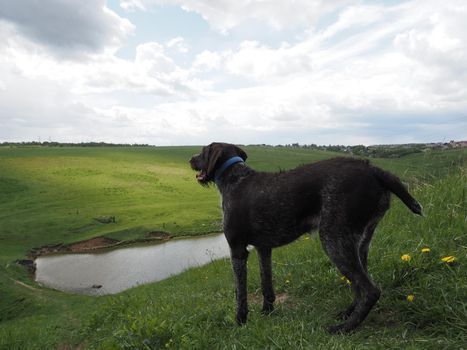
114,271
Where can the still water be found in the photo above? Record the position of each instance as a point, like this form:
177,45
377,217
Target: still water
120,269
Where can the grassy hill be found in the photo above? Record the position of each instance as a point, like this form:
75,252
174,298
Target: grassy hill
52,195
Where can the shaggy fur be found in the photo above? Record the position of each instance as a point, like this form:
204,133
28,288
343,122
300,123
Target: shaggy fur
343,198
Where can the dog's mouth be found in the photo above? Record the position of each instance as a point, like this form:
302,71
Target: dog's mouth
201,176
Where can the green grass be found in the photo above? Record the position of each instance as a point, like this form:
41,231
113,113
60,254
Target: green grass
51,195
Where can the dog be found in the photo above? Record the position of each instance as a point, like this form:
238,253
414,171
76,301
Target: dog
343,198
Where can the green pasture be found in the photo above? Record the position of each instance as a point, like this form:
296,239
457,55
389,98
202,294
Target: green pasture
51,195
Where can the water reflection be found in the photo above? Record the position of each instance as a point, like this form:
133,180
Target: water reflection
120,269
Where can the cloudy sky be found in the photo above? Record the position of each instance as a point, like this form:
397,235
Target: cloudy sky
171,72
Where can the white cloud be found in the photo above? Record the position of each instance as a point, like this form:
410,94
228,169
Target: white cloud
68,27
358,16
179,44
223,15
151,58
151,72
132,5
263,63
208,60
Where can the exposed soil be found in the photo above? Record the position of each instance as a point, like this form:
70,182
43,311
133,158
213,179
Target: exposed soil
26,285
159,235
93,244
28,264
281,298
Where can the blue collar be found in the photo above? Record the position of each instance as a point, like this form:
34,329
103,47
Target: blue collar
224,167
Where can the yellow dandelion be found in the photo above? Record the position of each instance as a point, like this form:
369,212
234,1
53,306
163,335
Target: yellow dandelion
307,238
448,259
405,257
426,250
410,298
287,281
344,278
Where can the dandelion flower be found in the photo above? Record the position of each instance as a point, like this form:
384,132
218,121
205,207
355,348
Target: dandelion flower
410,298
449,259
426,250
405,257
344,278
287,281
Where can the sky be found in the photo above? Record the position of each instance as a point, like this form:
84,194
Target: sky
190,72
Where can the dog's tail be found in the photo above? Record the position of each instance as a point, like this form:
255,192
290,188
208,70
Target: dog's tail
393,184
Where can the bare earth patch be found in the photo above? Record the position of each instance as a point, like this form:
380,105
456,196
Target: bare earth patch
258,299
95,243
159,235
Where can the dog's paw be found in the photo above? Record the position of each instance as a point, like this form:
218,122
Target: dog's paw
267,309
339,329
344,315
241,318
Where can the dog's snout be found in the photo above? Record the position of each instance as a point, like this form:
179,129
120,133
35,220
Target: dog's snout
194,161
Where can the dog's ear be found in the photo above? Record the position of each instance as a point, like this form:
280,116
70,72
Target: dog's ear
241,153
215,153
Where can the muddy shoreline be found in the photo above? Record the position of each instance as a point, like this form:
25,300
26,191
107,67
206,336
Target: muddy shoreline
94,244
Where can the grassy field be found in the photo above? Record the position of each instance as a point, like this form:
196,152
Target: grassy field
52,195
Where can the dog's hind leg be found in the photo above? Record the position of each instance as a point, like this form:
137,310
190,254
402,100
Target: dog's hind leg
363,255
342,247
364,243
265,265
239,257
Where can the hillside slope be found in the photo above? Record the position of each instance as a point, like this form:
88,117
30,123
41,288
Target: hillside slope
52,195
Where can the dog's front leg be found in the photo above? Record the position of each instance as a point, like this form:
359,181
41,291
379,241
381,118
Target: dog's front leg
239,256
265,265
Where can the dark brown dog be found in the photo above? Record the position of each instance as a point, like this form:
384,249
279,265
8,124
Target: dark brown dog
344,198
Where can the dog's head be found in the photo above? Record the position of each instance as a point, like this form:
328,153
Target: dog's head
211,158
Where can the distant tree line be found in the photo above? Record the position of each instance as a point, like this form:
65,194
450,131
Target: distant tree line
380,151
376,151
69,144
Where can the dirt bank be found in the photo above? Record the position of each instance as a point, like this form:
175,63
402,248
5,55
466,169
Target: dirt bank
94,244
